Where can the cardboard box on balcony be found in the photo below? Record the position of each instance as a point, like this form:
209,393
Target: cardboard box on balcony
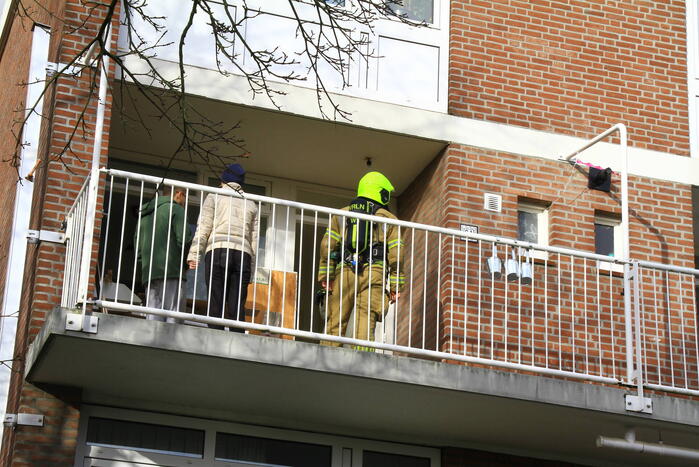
274,303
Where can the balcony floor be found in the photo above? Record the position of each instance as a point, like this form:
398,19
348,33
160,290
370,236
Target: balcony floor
194,371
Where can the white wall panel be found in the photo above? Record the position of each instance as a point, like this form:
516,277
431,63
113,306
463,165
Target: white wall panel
407,71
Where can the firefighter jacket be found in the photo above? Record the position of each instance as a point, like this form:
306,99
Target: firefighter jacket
332,255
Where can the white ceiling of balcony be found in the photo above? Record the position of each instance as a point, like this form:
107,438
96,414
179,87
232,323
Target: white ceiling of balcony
281,145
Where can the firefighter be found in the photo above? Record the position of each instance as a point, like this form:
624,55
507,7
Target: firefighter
359,262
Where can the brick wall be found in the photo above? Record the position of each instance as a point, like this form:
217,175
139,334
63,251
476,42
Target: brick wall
573,67
502,70
572,317
57,182
55,442
422,202
14,72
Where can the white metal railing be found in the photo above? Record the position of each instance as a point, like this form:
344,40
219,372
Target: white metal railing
668,341
273,29
75,226
467,297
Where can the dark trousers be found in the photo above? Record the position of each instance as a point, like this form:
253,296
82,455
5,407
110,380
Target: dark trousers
227,278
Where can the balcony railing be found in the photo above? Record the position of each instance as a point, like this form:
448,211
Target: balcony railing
409,70
467,297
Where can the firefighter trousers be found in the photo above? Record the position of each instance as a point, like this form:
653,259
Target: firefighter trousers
363,293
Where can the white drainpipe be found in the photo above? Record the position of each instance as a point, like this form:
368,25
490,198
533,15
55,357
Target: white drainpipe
630,444
14,279
94,177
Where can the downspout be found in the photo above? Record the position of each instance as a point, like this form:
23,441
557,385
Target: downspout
93,188
14,280
629,443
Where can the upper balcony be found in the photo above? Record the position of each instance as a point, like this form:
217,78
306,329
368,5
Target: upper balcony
385,59
482,328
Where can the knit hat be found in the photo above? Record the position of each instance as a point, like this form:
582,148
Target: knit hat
233,173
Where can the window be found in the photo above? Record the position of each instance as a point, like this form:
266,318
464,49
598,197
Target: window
265,451
533,224
608,239
153,170
145,437
382,459
112,434
416,10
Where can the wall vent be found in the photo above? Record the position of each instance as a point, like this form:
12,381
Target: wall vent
492,202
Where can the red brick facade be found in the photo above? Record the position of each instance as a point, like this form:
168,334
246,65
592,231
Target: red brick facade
560,67
573,67
563,325
57,181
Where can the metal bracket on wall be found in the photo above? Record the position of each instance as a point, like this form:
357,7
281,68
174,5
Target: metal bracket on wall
36,236
81,323
638,404
53,68
25,419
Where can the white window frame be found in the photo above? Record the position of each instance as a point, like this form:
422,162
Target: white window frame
542,225
436,19
611,221
211,427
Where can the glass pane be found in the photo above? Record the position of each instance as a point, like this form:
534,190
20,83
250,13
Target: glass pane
604,240
382,459
416,10
154,170
271,452
527,227
145,437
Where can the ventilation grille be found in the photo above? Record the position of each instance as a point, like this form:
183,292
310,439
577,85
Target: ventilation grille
492,202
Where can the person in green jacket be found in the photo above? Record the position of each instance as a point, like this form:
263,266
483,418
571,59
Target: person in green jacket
163,240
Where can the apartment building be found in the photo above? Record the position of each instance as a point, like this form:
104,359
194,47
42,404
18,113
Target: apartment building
542,321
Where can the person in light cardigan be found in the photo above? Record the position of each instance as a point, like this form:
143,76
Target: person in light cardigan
227,230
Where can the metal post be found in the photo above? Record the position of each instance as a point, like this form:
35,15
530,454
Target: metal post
637,326
86,256
625,254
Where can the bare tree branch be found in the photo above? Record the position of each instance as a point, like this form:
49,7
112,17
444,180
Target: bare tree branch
330,36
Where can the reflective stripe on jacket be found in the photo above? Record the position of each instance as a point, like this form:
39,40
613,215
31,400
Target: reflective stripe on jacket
335,233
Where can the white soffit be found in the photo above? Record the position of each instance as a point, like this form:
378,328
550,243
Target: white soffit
434,125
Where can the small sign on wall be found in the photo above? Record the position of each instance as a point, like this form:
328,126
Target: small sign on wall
469,228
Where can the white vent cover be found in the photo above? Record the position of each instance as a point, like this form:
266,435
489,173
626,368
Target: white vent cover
492,202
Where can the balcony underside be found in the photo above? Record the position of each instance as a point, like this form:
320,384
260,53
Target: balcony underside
194,371
280,144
